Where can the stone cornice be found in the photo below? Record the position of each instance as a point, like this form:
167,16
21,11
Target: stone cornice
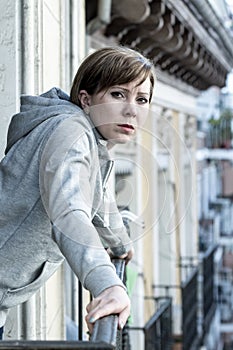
214,46
175,41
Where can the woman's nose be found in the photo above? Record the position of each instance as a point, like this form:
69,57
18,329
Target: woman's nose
130,110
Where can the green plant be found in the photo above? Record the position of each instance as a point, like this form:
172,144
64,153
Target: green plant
221,130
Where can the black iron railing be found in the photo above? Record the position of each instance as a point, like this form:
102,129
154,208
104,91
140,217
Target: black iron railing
209,299
105,333
189,303
158,330
189,289
53,345
106,329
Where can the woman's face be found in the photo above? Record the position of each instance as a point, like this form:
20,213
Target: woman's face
119,111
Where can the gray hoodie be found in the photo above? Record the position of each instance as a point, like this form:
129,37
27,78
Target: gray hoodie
54,201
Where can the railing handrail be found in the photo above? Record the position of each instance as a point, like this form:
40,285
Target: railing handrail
210,251
189,278
52,345
105,329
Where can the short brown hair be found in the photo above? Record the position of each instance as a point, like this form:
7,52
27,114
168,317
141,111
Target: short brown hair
111,66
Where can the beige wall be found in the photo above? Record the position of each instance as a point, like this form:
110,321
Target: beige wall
38,51
171,206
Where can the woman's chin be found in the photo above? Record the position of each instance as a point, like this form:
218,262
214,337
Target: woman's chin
120,140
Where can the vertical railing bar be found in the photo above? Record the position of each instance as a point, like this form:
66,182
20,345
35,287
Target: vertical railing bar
80,311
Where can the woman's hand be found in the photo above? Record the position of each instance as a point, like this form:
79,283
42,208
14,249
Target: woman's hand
113,300
127,256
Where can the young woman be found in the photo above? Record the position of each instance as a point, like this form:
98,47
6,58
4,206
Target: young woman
55,200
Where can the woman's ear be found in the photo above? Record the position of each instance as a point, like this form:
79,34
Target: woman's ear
84,99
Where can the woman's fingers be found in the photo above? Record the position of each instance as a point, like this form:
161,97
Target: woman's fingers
113,300
127,256
123,317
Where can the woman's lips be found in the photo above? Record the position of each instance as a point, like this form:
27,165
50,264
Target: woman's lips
127,128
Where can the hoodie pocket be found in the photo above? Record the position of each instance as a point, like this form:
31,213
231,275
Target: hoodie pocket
12,297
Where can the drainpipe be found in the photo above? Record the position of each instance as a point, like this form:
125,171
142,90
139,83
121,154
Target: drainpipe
28,47
214,21
103,16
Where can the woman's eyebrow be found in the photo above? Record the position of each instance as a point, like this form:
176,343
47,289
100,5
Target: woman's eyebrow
127,90
143,93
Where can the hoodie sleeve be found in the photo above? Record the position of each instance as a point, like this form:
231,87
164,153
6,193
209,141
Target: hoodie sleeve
67,195
110,226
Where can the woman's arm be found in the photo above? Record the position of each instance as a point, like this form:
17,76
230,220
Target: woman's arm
67,194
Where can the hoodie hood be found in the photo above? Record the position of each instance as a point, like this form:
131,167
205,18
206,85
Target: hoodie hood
35,110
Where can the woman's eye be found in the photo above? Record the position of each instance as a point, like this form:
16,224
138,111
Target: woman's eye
142,100
117,94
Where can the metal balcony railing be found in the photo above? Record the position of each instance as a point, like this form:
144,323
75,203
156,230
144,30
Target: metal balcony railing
53,345
105,333
189,303
158,330
209,298
189,290
105,329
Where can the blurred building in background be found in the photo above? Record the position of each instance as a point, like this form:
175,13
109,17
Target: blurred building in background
173,183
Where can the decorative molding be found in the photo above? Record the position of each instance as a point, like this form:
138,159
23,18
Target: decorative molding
168,36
